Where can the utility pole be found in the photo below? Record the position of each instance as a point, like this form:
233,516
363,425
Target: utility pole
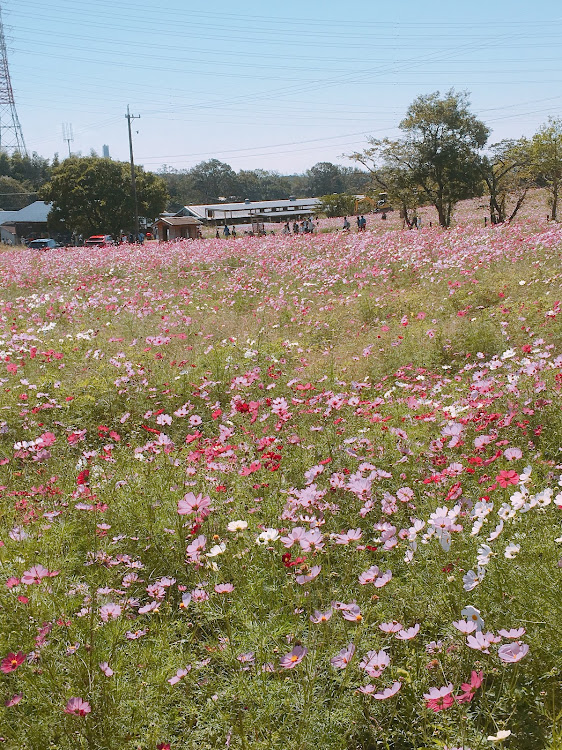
130,117
67,135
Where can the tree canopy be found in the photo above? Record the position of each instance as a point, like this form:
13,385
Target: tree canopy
92,195
438,154
547,159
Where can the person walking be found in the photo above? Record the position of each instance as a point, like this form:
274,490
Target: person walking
226,231
233,231
346,224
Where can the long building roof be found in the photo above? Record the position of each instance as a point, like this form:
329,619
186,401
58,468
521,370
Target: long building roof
248,208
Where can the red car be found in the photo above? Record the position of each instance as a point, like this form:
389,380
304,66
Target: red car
100,240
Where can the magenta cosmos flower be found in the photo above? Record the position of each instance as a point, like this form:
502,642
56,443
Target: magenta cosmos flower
14,700
11,662
294,657
77,707
439,699
470,688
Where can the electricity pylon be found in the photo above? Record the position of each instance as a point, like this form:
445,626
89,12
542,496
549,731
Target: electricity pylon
11,136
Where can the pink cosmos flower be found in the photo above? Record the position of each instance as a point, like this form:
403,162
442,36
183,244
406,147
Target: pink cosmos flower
513,652
512,454
179,675
12,581
310,576
198,504
373,575
388,692
77,707
342,659
293,658
106,669
151,607
224,588
14,700
407,635
465,627
367,689
352,613
481,641
110,611
513,634
375,662
318,616
390,627
11,662
36,575
439,699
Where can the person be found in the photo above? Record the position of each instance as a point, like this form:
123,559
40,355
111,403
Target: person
217,235
346,224
141,238
363,223
286,228
383,217
233,231
226,231
419,222
358,223
295,227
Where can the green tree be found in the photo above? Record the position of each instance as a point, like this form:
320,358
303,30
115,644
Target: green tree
15,195
92,195
546,148
384,160
325,178
262,185
439,152
507,171
212,180
337,204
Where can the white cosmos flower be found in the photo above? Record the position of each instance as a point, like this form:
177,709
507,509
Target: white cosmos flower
502,735
218,549
511,550
267,536
237,525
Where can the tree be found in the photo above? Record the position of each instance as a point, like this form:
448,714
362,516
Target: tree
508,173
213,180
325,178
439,151
383,160
92,195
14,195
262,185
546,147
337,204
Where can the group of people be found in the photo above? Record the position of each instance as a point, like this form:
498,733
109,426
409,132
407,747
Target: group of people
361,224
307,226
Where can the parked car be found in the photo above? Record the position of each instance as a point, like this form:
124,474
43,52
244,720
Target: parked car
99,240
43,244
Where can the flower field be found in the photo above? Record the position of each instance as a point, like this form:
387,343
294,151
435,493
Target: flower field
283,493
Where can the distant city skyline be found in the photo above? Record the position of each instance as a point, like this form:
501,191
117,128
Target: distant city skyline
277,86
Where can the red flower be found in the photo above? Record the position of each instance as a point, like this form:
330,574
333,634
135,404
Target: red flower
11,662
505,478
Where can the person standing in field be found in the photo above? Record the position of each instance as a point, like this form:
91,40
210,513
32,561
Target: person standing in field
346,224
363,225
296,227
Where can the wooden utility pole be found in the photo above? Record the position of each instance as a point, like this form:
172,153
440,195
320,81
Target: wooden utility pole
130,117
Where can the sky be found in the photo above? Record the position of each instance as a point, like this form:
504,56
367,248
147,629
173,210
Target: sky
271,85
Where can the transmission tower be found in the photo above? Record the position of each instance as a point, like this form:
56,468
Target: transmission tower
11,136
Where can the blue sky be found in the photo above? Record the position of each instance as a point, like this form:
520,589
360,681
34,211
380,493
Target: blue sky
273,85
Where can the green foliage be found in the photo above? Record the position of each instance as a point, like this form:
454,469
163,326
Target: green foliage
93,196
337,204
547,160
